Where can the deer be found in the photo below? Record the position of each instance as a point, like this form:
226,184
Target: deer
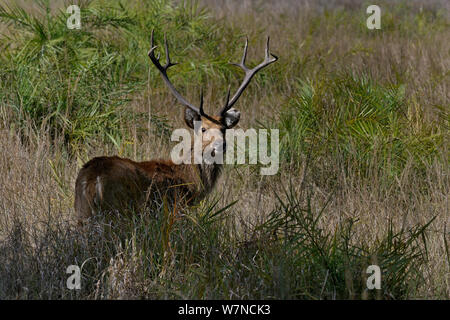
111,183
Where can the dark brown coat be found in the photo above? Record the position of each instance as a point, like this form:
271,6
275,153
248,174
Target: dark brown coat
114,183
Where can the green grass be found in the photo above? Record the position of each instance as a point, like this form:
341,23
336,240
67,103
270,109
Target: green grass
79,82
357,121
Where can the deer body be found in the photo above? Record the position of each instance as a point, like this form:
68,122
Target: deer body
107,183
118,184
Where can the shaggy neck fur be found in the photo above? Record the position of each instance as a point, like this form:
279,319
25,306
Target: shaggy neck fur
204,176
209,173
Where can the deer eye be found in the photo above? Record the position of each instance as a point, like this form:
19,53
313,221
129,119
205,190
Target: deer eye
203,129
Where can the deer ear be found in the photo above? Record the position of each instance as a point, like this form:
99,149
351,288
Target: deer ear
190,116
231,118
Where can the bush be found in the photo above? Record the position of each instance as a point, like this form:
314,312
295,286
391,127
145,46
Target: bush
350,120
79,82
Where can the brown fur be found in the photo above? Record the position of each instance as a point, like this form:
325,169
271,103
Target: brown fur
114,183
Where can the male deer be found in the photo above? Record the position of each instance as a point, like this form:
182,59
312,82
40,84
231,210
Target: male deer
113,183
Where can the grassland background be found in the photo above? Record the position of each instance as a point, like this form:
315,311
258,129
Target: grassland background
363,119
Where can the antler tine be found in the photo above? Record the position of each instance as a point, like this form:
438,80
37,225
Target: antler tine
268,54
152,47
151,38
166,47
249,73
163,71
226,107
201,103
244,57
202,111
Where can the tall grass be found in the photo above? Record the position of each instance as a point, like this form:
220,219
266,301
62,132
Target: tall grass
79,82
202,256
357,121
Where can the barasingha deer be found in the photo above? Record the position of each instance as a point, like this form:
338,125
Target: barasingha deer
118,184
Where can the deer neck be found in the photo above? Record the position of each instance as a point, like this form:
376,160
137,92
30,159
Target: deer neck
203,176
208,174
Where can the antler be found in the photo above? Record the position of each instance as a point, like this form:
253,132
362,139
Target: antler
249,73
202,112
163,71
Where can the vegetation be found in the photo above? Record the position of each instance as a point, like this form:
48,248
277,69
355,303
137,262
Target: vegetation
363,119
